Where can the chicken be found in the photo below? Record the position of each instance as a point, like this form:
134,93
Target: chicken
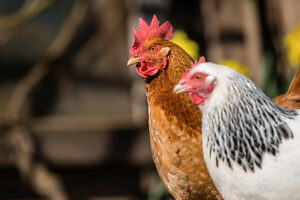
292,98
251,145
174,121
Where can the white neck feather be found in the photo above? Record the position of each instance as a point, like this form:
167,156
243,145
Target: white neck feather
240,123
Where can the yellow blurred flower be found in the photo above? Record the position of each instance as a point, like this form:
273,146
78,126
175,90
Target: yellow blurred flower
237,66
190,46
292,43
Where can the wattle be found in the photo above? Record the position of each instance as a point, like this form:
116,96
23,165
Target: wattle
146,69
196,98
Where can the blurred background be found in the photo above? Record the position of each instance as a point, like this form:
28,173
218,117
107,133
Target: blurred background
73,117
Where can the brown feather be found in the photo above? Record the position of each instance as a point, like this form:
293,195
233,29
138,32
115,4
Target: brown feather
175,131
291,99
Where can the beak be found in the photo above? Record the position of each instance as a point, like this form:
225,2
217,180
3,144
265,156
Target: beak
133,60
181,87
164,51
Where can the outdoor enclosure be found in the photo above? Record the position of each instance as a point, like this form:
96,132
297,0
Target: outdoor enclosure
73,116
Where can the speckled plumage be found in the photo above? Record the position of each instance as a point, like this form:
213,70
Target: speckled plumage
250,144
175,132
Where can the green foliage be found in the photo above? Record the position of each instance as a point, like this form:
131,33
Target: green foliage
159,192
271,83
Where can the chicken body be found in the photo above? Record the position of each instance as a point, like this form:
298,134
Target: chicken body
174,121
175,132
252,145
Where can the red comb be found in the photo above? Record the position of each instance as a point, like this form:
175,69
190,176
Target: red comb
201,60
193,64
146,31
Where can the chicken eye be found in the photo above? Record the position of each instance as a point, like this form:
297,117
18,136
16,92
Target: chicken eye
153,49
199,77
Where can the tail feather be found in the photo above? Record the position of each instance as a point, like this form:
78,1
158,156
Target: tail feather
291,99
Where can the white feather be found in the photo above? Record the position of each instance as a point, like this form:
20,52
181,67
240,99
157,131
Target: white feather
278,179
279,175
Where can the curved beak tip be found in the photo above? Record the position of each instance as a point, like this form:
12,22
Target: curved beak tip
179,88
133,60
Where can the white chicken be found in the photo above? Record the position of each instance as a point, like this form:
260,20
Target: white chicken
251,145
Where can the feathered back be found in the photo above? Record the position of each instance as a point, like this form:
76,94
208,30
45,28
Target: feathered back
291,99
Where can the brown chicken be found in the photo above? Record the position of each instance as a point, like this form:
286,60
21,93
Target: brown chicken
174,121
291,99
